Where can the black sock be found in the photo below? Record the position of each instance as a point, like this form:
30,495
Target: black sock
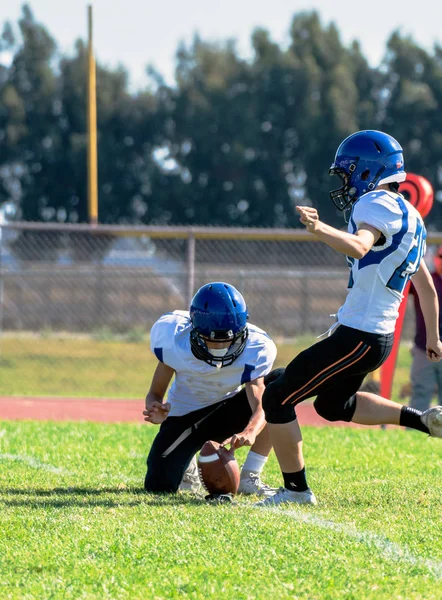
296,482
411,417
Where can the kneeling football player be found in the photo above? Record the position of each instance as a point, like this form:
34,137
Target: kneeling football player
220,365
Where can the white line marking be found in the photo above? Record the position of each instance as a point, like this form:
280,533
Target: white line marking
389,550
32,462
136,455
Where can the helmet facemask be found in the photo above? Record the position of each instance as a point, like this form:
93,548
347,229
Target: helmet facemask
200,350
342,197
356,183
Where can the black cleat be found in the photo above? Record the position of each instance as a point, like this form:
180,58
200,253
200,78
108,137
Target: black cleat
219,498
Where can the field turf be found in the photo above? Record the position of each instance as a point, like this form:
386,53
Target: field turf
75,522
89,367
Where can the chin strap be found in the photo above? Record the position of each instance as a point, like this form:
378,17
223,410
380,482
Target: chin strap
347,213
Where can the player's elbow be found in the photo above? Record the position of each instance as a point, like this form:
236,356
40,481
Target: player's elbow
362,242
426,292
358,252
360,248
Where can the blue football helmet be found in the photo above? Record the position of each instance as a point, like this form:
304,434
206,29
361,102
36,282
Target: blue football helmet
363,161
218,313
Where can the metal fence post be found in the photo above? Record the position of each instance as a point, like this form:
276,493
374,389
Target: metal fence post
99,296
190,266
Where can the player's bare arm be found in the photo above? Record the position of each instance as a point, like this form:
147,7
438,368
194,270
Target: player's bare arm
355,245
423,283
156,409
256,424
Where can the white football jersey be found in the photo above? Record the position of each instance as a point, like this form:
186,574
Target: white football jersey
197,384
377,281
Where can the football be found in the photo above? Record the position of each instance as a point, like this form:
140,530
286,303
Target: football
218,469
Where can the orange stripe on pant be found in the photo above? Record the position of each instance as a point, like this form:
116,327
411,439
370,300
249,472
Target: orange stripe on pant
323,371
331,375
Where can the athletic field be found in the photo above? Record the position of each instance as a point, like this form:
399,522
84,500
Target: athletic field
76,523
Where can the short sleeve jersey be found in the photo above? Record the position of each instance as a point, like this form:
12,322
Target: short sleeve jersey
197,384
377,280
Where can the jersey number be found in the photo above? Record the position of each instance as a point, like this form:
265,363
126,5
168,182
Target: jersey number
411,264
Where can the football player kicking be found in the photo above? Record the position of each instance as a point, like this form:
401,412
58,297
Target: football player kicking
384,245
220,364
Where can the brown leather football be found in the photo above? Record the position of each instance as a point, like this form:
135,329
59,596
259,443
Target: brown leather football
218,469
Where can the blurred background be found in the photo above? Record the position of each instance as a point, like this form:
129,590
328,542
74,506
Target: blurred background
210,122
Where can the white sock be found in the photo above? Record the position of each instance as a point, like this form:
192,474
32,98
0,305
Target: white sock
254,462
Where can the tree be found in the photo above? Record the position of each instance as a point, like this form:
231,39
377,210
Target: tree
412,106
234,142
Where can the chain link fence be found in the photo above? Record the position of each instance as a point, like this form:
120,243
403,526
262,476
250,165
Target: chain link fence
81,280
75,280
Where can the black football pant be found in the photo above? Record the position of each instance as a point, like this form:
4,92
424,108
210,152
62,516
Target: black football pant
332,370
180,438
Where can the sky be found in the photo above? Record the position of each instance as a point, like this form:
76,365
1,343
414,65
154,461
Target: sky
134,33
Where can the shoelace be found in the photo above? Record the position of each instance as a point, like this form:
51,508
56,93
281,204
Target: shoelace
194,477
257,481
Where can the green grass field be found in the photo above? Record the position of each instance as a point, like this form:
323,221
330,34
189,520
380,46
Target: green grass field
75,522
69,366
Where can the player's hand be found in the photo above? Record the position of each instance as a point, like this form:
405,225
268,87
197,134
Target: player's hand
308,217
434,351
156,412
238,440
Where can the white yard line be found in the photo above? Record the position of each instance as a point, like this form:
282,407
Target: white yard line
32,462
389,550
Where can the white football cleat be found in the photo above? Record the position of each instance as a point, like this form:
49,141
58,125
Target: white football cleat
251,483
432,418
283,496
191,480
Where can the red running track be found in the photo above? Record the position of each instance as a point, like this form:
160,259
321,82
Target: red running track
109,410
